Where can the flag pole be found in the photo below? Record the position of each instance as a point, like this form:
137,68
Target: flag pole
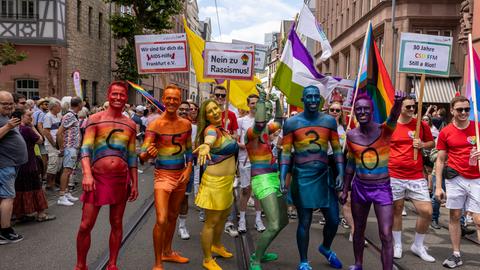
225,122
419,114
362,60
473,91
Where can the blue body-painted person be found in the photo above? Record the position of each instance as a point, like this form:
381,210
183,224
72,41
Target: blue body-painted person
308,134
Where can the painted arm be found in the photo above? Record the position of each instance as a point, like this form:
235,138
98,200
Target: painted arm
285,157
86,152
204,149
278,110
133,164
149,149
396,109
338,156
349,173
188,157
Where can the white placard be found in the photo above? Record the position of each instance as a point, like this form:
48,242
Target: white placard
260,54
161,53
425,54
229,61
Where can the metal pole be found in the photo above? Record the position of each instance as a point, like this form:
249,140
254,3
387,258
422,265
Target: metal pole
394,50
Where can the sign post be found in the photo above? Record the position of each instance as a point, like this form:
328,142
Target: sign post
161,53
426,55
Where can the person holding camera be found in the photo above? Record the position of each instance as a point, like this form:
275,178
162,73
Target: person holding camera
13,153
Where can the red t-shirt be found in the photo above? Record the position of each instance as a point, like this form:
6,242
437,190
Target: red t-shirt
232,122
458,143
401,164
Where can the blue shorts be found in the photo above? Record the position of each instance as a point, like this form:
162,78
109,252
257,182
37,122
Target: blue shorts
7,182
70,158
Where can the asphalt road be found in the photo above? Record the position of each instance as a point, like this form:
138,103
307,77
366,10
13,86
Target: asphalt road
51,245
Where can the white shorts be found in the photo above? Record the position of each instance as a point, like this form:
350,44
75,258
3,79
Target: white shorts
463,192
245,175
415,189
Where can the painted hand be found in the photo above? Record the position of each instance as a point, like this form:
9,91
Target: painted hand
88,183
133,194
400,96
339,183
185,175
343,197
261,92
283,187
203,152
272,97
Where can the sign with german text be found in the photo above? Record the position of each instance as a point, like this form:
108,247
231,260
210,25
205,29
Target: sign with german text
229,61
161,53
425,54
260,54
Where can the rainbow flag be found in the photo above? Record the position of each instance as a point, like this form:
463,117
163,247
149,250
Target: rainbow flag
475,80
147,96
374,79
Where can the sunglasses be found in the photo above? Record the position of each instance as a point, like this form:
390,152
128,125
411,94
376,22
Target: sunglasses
221,95
23,103
335,110
460,110
410,107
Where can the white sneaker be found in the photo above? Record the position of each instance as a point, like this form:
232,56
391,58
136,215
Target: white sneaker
259,225
183,233
251,202
422,253
242,226
140,171
397,251
62,200
70,197
404,212
230,229
236,182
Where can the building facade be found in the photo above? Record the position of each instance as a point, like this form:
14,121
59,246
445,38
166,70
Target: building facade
59,37
345,23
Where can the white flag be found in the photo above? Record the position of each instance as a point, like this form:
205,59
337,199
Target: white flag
308,26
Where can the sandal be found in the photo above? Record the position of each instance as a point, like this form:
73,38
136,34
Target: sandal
46,217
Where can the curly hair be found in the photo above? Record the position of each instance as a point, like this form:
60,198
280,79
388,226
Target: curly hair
202,122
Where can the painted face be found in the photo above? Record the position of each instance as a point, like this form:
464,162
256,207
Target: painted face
461,111
213,114
363,111
408,108
311,98
184,110
171,98
252,103
117,98
268,110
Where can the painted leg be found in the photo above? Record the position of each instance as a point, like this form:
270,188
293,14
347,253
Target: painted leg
360,215
332,220
384,215
303,232
217,246
275,209
174,203
116,223
161,210
89,217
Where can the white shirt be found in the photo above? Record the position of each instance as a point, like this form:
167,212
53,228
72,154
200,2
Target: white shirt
52,122
244,123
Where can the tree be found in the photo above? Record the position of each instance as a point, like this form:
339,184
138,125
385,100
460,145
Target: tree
9,55
147,17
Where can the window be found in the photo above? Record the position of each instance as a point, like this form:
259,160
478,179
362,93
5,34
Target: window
18,9
84,88
27,87
448,33
347,66
433,32
380,44
94,92
90,10
347,19
353,11
100,25
79,16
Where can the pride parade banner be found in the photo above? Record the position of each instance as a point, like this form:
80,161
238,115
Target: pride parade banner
229,61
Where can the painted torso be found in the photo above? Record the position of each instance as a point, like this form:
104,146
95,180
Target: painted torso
224,147
259,151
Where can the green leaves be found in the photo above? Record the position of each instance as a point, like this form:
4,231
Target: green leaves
9,55
147,17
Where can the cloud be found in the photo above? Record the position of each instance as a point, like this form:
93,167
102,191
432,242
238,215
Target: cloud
247,20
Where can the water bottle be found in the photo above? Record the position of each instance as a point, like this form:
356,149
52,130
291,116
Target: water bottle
473,161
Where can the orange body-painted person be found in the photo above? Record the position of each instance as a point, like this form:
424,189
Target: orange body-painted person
109,165
168,140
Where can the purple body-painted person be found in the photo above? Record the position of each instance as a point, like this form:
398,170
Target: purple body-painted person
368,151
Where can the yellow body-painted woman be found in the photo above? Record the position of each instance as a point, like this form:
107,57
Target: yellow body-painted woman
218,150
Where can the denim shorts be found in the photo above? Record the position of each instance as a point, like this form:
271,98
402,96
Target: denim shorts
70,158
7,182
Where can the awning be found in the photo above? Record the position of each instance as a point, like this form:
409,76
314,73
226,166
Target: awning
437,90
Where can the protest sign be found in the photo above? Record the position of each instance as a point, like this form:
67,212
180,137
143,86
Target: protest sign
76,84
260,54
161,53
343,91
229,61
425,54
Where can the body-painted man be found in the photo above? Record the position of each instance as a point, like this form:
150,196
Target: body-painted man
168,140
109,164
368,153
265,182
312,185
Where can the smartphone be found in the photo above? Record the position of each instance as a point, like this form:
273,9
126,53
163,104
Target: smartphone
17,114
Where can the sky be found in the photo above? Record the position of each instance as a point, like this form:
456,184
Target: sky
247,20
